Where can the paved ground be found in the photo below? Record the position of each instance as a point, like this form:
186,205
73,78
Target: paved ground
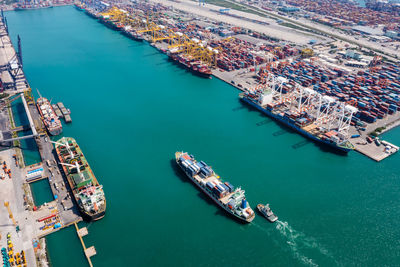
65,204
331,32
372,150
11,190
273,29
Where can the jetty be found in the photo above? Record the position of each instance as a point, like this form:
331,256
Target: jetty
89,252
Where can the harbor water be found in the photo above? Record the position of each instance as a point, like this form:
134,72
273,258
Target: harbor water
132,109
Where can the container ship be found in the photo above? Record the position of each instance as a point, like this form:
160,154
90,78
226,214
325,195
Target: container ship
87,191
302,122
131,33
195,66
224,194
79,6
111,23
49,117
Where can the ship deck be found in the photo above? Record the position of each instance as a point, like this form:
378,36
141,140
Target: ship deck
225,199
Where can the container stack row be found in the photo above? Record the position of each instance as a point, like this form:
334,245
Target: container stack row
237,54
376,94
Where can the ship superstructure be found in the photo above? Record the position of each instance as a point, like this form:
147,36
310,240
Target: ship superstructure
318,117
49,117
232,200
86,189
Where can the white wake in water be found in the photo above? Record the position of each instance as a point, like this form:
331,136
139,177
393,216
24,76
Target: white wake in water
298,241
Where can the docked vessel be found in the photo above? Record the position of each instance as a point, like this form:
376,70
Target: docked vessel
267,212
131,33
79,6
224,194
49,117
111,23
86,190
301,122
195,66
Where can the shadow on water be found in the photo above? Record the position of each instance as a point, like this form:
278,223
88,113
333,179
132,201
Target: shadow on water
135,45
220,211
151,54
27,144
286,129
162,63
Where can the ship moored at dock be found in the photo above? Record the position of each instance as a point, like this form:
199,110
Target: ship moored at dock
224,194
49,116
195,66
315,116
87,191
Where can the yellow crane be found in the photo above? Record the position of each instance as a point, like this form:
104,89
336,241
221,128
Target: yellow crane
7,205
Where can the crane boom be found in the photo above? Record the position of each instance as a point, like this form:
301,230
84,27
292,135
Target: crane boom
7,205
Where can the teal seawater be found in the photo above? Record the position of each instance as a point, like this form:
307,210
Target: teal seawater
132,109
28,146
41,191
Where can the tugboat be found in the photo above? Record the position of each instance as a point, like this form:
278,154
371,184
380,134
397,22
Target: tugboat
267,212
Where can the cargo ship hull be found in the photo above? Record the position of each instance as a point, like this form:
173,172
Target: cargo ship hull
90,14
109,24
87,216
92,217
217,201
53,128
196,72
295,127
131,36
79,7
55,132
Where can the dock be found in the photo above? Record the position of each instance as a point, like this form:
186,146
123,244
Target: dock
375,152
89,252
372,150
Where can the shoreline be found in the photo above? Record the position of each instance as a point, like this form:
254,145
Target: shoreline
11,8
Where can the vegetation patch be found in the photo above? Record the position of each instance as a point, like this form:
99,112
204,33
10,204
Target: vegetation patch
377,131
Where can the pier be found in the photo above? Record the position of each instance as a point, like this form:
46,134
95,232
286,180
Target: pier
372,150
89,252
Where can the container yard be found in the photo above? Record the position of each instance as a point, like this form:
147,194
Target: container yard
348,12
244,60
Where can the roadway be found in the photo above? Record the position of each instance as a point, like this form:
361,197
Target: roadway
273,29
326,30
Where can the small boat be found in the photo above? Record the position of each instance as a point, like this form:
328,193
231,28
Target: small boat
267,212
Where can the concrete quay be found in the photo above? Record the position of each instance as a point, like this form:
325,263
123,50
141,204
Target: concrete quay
372,150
